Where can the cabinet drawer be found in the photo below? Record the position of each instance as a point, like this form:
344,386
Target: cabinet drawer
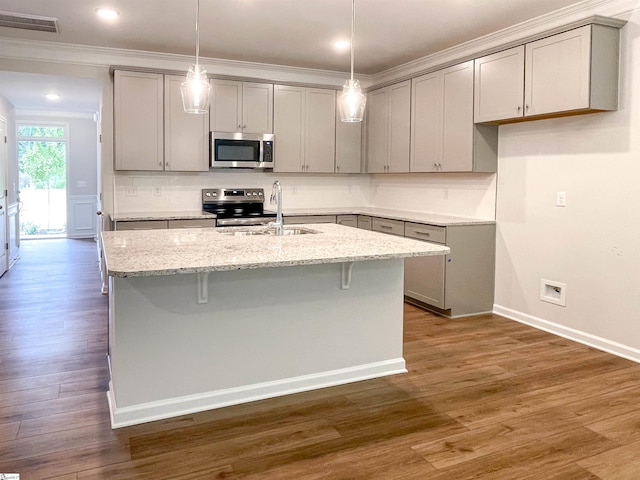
347,220
195,223
309,219
394,227
430,233
364,222
142,225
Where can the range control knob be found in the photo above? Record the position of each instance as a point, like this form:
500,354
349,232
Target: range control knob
208,194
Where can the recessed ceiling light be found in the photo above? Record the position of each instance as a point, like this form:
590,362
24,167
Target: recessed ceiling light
52,96
341,44
107,13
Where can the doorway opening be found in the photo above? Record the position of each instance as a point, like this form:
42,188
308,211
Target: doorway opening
42,166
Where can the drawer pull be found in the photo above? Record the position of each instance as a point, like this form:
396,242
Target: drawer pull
386,227
426,234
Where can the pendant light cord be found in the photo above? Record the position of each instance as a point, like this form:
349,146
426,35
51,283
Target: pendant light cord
197,31
353,29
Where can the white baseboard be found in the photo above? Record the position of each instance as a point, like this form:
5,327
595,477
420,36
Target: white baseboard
594,341
147,412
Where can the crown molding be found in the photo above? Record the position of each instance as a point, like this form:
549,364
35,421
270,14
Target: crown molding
64,53
612,13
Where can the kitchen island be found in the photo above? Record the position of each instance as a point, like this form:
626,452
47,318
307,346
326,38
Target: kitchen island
205,318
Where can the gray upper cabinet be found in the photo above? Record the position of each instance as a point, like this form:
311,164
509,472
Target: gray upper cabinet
499,82
389,128
443,135
241,107
139,120
186,145
568,73
348,145
152,131
305,129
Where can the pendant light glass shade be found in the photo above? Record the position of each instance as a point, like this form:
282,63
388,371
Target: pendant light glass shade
196,89
352,101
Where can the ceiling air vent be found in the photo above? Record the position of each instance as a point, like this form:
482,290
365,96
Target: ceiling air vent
29,22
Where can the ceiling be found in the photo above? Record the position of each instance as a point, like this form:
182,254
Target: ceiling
285,32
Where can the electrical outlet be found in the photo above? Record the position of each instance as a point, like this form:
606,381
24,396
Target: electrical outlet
561,199
294,190
157,191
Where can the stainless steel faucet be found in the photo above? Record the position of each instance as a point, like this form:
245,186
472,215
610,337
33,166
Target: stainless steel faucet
276,198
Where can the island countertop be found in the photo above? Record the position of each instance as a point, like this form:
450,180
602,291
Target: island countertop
179,251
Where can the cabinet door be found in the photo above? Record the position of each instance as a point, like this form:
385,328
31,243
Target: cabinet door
225,112
399,126
424,279
257,107
186,136
377,131
499,86
457,118
139,121
348,146
557,72
320,130
288,126
426,123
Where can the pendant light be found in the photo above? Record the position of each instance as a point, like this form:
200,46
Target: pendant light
352,101
196,89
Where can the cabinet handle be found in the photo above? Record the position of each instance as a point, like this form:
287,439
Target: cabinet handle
519,108
526,107
244,126
239,127
337,168
426,234
386,227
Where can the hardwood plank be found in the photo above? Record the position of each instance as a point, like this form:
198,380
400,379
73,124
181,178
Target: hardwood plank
621,463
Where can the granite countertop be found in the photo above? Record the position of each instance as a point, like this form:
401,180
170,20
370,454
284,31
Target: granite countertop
403,215
174,251
140,216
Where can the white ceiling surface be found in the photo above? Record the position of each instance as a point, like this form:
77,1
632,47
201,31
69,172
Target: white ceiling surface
284,32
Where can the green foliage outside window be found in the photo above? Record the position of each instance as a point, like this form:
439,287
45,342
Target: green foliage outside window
43,163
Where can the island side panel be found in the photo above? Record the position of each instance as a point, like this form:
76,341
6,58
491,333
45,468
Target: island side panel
263,333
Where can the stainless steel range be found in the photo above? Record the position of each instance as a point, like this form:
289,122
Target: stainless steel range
236,206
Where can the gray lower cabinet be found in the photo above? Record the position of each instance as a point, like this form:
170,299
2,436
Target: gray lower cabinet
298,219
164,224
347,220
365,222
458,284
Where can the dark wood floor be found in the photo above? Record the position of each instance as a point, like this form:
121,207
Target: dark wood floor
485,398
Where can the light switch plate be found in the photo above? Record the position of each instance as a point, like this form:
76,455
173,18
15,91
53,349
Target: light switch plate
561,199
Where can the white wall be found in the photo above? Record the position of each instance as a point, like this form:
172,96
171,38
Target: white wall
137,192
592,244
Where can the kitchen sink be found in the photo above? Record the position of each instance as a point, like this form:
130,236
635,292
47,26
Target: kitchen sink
241,232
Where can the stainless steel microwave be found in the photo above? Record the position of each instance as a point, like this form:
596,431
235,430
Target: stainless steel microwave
241,150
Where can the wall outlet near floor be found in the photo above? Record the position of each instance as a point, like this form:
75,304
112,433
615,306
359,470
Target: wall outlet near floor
553,292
